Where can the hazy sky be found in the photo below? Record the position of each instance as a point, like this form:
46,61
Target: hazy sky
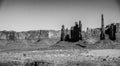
23,15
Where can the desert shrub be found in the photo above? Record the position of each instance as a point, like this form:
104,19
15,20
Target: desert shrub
39,63
11,63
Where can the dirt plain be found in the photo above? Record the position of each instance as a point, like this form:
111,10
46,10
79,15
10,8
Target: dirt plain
54,53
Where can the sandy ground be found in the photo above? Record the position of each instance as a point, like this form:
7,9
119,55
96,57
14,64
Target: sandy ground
61,53
62,56
104,52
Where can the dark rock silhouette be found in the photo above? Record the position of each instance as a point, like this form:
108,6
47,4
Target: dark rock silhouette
102,35
76,32
80,30
67,36
111,31
72,35
63,33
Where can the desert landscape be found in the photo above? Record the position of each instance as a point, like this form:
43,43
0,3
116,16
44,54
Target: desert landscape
59,32
45,48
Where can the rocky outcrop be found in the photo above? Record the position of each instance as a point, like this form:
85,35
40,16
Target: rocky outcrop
118,36
54,34
91,33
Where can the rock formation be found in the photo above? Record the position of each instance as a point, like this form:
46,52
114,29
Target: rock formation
29,35
63,33
102,35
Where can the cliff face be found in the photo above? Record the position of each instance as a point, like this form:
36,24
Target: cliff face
38,34
54,34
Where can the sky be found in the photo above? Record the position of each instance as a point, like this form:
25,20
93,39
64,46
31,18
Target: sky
24,15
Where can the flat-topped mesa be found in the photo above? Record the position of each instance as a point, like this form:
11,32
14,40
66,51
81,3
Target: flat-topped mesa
38,34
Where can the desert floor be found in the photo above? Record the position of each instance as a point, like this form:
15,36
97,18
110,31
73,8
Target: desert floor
62,54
